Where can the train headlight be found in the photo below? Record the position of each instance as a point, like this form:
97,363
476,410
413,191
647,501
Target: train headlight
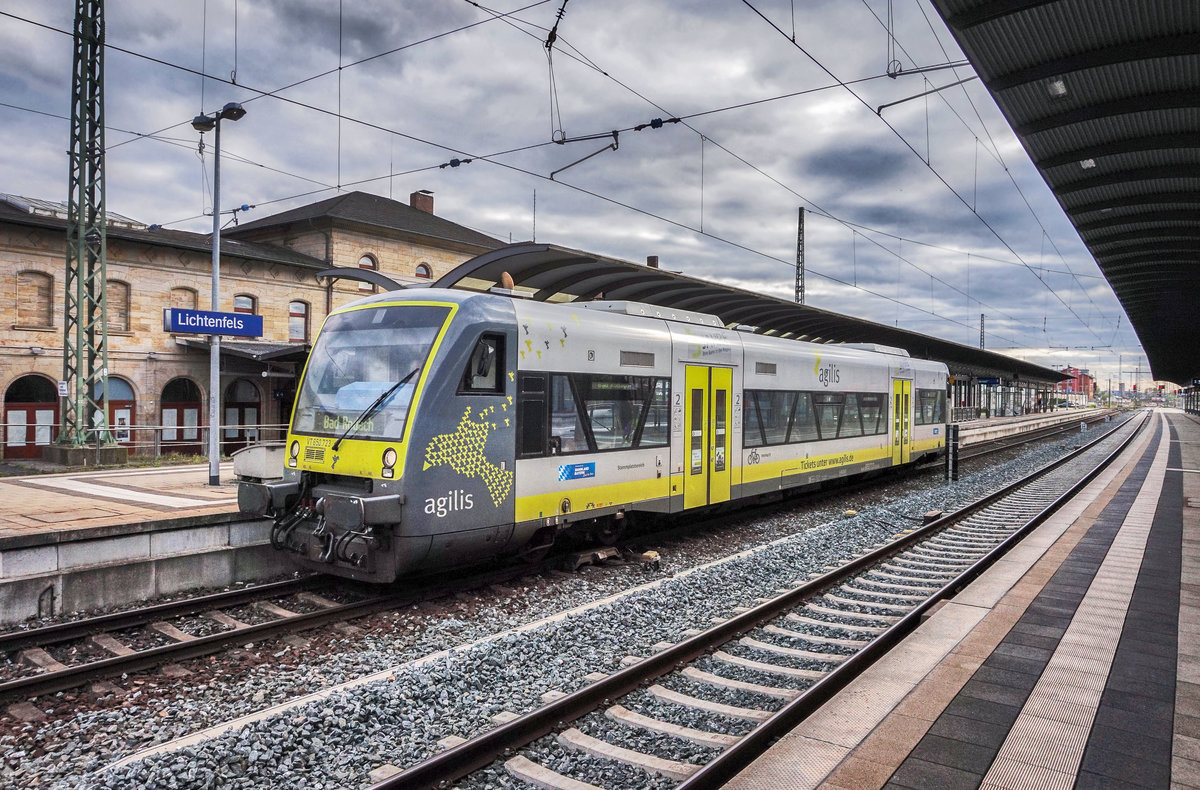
293,453
389,461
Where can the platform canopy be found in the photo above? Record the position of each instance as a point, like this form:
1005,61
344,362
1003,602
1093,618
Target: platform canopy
1105,97
546,272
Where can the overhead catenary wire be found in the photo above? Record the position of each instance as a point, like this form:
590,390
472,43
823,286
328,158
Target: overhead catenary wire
262,94
994,151
933,170
274,94
682,119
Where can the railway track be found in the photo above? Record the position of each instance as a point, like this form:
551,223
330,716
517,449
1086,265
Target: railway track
141,639
788,655
1006,443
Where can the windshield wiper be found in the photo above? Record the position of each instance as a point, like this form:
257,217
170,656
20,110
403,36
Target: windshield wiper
376,405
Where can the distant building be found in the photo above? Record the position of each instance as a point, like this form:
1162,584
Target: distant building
158,381
1081,383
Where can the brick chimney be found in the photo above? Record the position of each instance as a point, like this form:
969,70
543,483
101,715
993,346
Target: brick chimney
652,261
422,201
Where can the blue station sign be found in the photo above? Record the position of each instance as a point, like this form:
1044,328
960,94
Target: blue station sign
205,322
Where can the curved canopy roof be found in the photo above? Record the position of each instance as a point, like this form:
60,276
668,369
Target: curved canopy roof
547,272
1105,97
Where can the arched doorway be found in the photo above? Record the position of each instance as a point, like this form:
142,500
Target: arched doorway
30,416
241,416
181,407
121,408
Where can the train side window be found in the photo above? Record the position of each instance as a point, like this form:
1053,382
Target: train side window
851,425
931,407
829,413
751,424
484,372
567,433
655,428
871,406
775,414
531,415
804,420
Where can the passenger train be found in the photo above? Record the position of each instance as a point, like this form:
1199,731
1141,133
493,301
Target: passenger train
435,428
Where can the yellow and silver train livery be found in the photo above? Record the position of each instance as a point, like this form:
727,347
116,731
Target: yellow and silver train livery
435,428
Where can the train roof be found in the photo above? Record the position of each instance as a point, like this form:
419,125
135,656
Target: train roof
550,273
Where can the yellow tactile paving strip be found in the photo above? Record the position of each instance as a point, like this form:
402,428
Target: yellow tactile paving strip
56,505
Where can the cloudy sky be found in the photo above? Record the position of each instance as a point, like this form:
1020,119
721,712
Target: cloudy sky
923,216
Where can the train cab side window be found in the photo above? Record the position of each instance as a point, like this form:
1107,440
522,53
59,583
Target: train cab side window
484,374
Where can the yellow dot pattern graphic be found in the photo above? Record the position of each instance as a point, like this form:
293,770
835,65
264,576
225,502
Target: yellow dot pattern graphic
464,452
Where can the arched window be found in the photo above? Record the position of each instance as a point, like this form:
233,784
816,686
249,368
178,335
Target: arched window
424,271
35,299
184,298
245,303
368,262
118,306
298,322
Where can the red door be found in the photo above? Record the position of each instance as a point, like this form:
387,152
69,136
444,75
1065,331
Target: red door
28,427
30,417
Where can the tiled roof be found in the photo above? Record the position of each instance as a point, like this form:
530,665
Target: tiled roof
12,211
380,212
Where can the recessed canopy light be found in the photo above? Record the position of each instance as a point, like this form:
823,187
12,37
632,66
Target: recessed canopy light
1057,88
1088,164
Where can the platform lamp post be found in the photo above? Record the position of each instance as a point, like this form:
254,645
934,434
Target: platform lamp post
205,123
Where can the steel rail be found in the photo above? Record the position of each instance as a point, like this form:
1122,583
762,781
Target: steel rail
78,629
77,675
480,751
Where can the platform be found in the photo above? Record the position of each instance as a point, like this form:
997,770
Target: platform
87,540
1074,662
113,499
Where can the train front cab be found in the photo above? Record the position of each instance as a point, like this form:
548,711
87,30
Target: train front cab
381,482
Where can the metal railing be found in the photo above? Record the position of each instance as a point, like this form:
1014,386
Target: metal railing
151,441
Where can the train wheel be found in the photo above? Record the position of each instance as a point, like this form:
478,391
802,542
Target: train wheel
537,548
607,532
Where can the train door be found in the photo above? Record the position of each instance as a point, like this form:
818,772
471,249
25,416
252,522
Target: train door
901,421
708,402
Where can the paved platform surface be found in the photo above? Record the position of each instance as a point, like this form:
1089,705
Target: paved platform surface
42,506
1074,662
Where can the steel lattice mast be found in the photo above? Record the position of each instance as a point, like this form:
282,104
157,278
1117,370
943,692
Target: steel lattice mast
85,330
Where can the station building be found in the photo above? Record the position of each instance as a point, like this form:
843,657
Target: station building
158,381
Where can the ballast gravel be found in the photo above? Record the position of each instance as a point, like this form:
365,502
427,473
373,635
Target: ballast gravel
335,742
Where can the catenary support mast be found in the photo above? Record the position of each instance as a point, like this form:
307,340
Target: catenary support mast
85,333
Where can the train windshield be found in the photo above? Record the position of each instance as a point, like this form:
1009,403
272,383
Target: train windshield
359,356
